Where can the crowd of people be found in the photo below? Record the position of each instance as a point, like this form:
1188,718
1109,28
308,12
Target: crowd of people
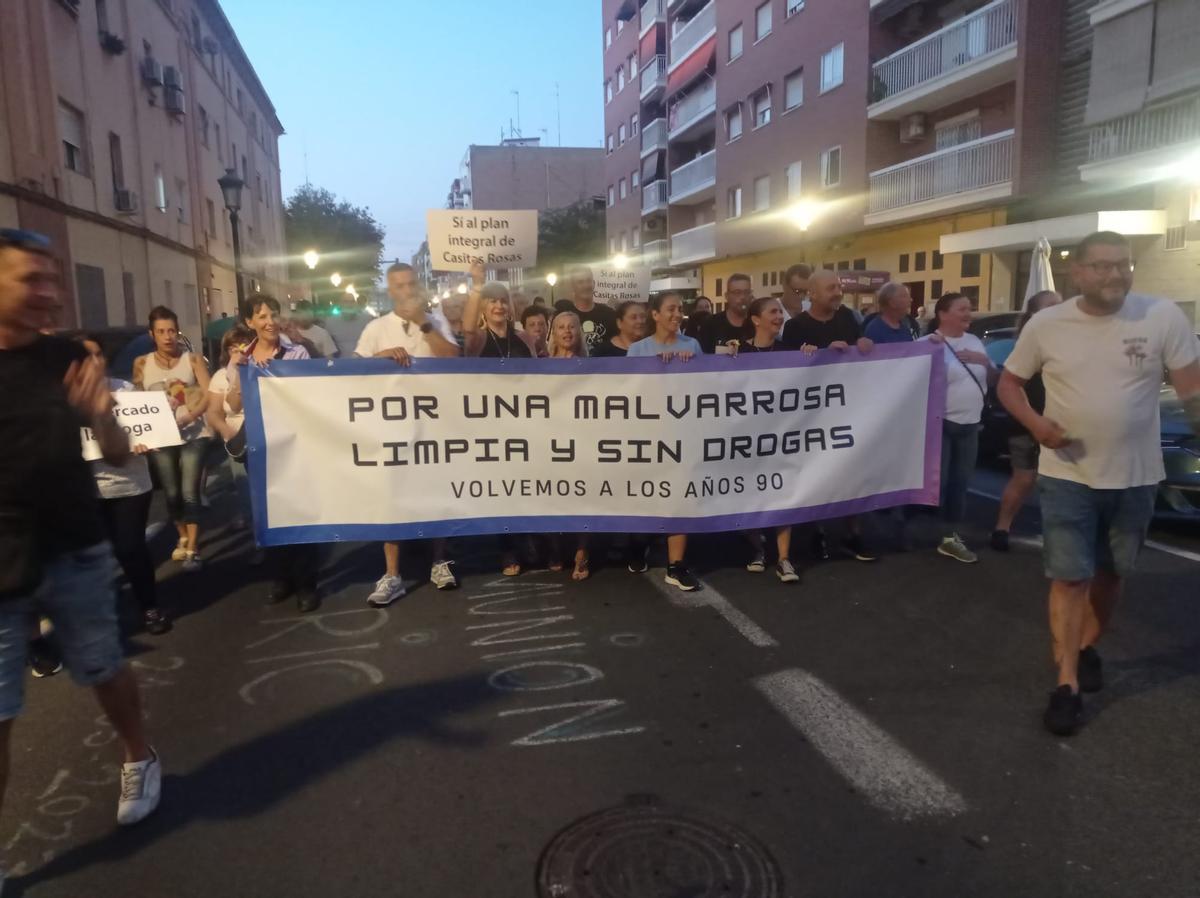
1081,386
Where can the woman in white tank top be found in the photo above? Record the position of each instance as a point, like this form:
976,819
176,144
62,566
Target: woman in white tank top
183,376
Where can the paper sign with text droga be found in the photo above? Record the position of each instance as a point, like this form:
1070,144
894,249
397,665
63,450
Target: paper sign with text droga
146,417
500,240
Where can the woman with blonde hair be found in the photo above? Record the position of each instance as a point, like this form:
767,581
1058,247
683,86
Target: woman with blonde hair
488,330
566,337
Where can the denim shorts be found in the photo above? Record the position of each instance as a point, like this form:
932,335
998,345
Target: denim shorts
77,596
1085,529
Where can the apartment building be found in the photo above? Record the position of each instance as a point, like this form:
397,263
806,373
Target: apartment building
852,136
117,118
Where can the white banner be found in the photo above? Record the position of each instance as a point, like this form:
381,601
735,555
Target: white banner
146,417
459,237
616,285
362,449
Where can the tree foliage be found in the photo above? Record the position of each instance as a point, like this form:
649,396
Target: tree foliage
571,235
347,238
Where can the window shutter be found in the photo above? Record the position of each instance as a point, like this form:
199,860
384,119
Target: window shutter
1121,50
1176,38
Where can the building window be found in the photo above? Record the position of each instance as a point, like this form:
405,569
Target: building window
181,195
937,261
733,122
843,266
160,189
972,293
621,135
903,263
607,38
220,146
792,175
197,34
612,245
735,42
970,266
623,188
734,199
635,180
935,289
102,16
633,125
607,92
203,125
620,25
919,261
762,193
762,21
762,108
70,125
610,143
860,264
956,131
240,101
620,79
831,167
793,90
612,194
212,218
720,286
766,279
116,161
794,6
831,68
624,241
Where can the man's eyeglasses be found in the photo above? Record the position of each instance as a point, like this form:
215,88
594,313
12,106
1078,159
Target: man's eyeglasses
1105,268
22,239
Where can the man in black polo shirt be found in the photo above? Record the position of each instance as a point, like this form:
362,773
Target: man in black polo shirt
598,321
54,560
829,325
733,326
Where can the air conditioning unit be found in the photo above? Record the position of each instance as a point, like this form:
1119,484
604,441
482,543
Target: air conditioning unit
652,224
171,77
173,101
126,201
913,128
152,74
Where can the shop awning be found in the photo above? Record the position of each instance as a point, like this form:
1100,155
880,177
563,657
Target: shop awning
692,67
1062,232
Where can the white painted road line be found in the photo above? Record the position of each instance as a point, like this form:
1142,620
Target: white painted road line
707,597
1150,543
881,769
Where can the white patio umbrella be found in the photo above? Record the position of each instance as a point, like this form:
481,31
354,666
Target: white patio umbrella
1040,276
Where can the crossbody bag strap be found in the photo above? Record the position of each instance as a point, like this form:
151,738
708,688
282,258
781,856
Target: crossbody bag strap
982,389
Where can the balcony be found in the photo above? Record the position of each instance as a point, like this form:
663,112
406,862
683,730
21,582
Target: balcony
695,113
694,245
654,137
654,197
971,173
654,76
696,181
654,12
656,253
974,54
688,38
1150,144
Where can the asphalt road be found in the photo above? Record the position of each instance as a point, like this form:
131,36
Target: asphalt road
872,731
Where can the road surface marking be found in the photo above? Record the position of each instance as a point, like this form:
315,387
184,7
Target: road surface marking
707,597
1150,543
881,769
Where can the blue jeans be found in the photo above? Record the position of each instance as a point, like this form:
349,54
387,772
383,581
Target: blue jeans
178,469
960,448
77,595
1084,529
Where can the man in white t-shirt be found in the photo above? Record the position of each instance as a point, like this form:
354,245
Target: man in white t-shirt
404,334
306,323
1101,356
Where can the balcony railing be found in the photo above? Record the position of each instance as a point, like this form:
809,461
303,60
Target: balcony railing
654,136
654,75
987,30
700,102
653,12
986,162
692,34
694,244
654,196
695,175
1147,129
656,252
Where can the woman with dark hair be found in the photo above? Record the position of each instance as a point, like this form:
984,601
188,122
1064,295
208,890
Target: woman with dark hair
225,412
183,376
1023,449
125,494
631,327
968,373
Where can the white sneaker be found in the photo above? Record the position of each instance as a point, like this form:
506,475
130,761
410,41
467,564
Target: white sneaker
181,550
785,572
442,577
757,565
387,590
141,788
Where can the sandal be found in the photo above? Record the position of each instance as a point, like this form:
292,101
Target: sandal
512,569
581,571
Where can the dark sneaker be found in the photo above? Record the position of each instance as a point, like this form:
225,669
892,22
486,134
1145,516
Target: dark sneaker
280,591
156,622
855,546
45,658
306,601
678,575
999,540
1091,670
820,546
757,564
1064,711
953,547
635,558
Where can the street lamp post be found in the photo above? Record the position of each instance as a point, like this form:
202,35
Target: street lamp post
552,279
231,190
312,259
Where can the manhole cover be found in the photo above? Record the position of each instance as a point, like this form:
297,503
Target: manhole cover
655,852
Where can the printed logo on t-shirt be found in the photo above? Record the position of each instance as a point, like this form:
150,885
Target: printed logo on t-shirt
1135,350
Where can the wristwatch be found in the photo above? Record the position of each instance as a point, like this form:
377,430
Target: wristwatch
427,327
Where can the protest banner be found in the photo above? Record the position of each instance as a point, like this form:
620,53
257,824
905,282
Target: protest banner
616,285
361,449
146,417
460,237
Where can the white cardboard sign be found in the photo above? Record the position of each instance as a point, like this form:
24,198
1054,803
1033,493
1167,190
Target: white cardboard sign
146,417
616,285
504,239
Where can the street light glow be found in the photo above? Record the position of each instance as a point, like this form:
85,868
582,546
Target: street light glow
311,259
802,214
462,288
620,260
335,279
552,279
446,294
